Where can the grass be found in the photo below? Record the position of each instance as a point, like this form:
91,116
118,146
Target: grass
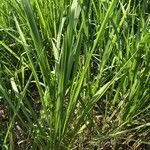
75,74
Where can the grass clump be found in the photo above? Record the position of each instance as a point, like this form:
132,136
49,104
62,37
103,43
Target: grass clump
75,74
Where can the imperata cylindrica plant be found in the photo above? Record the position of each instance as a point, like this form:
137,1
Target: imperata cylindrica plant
74,74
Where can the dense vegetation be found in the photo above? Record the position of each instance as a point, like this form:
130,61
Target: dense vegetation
74,74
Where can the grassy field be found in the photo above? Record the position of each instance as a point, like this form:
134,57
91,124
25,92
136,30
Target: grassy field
74,74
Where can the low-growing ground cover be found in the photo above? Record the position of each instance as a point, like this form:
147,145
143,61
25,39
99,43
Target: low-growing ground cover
74,74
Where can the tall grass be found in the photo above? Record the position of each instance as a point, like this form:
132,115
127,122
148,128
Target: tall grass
74,74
